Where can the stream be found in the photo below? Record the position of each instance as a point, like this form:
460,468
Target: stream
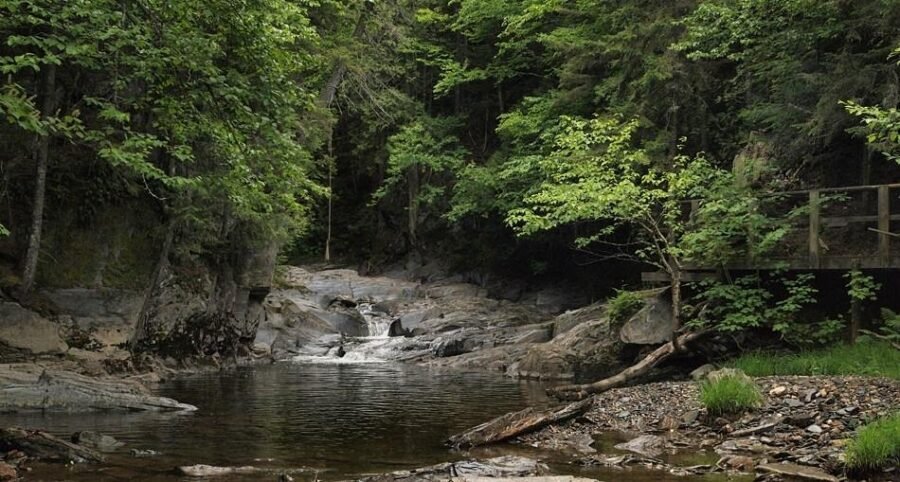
326,421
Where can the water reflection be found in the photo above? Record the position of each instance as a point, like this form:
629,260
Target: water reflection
340,419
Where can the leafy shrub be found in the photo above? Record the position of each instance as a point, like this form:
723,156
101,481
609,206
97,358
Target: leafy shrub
729,394
623,306
876,446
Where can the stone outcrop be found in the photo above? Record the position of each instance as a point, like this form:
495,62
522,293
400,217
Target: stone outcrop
25,330
26,387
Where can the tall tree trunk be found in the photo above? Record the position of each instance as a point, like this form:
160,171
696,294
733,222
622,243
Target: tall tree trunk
676,305
412,180
159,272
41,155
330,196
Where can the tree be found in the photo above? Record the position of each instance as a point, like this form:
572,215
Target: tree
597,175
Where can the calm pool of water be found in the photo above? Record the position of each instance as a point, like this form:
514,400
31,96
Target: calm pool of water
334,420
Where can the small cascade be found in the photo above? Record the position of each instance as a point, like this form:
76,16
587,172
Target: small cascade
378,322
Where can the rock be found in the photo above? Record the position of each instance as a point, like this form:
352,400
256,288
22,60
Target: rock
589,350
763,427
651,325
736,462
646,445
28,388
497,468
201,470
814,429
690,416
702,371
96,441
24,329
397,329
108,315
801,419
793,403
797,471
7,472
778,391
143,453
42,445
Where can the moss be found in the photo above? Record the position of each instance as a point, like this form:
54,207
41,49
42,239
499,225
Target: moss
876,446
118,250
729,394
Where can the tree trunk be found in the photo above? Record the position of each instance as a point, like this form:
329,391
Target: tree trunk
159,272
578,392
41,155
676,306
412,179
855,318
330,196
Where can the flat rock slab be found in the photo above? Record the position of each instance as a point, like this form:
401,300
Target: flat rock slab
29,388
201,470
494,469
802,472
551,478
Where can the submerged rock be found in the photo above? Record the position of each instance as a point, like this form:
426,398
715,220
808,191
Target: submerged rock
201,470
646,445
96,441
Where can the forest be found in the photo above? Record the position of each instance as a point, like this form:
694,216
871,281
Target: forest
169,165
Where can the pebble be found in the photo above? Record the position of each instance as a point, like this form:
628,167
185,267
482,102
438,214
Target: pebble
814,428
778,391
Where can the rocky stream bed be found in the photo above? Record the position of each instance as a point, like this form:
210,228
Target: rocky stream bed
69,363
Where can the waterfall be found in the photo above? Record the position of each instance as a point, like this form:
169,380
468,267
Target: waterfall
378,322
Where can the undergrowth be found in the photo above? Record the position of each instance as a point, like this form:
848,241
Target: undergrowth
868,358
876,446
729,394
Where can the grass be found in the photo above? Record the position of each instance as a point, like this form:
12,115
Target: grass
876,446
869,358
729,394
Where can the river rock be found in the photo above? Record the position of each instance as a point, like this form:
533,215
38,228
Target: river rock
7,472
496,468
24,329
29,388
201,470
651,325
96,441
646,445
797,471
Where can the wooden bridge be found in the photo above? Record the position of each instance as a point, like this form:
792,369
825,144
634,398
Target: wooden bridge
856,227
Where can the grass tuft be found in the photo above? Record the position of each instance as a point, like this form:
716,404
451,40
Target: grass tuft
868,358
876,446
729,394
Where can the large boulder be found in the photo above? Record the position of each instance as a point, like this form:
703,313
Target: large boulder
23,329
652,325
108,315
589,350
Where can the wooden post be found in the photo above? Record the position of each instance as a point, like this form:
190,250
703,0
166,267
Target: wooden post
815,222
884,225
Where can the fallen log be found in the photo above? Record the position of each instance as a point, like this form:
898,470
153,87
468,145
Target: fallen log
579,392
42,445
518,423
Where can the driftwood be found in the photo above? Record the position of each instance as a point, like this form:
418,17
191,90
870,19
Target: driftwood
42,445
518,423
579,392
